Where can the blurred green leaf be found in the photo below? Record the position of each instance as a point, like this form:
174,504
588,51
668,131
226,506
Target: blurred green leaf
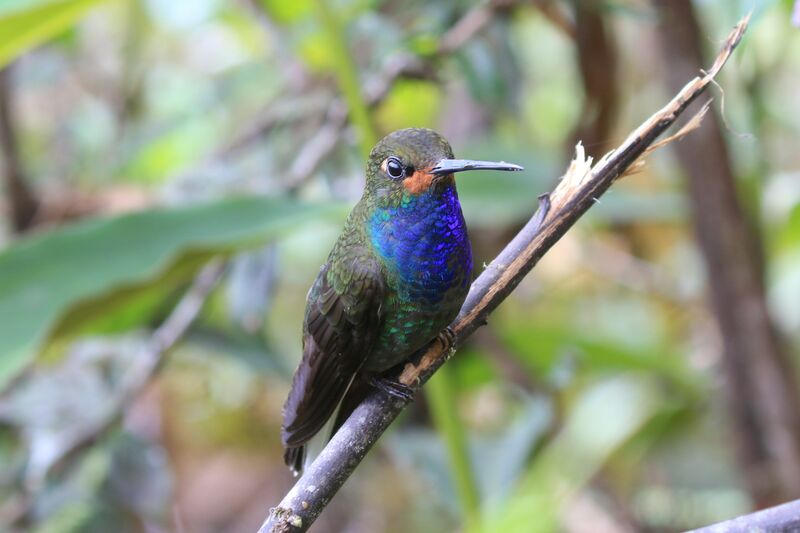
605,418
501,456
787,236
494,199
71,504
117,485
445,416
287,12
173,150
345,69
25,24
54,283
498,457
411,103
629,206
246,29
472,368
542,346
69,518
249,350
489,69
424,452
317,52
784,289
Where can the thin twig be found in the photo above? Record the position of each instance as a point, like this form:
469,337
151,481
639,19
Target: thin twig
305,164
472,23
402,66
147,363
144,368
317,148
376,89
575,194
346,73
552,11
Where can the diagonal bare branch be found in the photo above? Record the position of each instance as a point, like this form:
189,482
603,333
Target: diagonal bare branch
580,188
166,336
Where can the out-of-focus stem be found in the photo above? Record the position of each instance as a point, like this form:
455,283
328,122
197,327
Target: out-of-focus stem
762,389
22,204
439,392
347,77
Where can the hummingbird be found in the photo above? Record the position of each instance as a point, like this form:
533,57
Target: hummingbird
396,277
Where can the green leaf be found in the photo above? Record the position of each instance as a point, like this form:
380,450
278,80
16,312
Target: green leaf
786,236
410,103
287,12
489,68
444,412
606,417
501,456
55,284
543,341
25,24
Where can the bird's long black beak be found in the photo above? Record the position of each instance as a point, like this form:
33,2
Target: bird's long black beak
449,166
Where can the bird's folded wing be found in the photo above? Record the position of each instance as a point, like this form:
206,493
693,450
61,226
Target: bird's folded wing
343,319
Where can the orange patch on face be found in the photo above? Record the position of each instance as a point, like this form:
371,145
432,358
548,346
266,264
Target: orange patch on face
418,182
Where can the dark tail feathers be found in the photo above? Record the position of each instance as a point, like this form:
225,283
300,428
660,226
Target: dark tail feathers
294,459
295,456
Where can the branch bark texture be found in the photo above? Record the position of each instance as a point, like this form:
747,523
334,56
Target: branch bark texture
762,390
780,519
579,189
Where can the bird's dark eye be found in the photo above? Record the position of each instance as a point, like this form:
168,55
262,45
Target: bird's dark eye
394,168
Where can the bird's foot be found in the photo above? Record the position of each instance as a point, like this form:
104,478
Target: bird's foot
446,337
393,388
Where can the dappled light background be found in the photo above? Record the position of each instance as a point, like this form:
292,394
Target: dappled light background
142,138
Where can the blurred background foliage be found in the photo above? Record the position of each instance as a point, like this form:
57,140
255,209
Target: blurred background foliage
142,138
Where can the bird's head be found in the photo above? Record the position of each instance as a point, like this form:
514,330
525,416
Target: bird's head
413,160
